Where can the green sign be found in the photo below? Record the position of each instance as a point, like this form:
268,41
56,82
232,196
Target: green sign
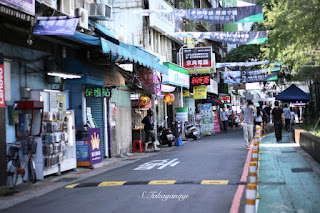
97,92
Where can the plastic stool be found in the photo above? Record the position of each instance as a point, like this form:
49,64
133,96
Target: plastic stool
134,146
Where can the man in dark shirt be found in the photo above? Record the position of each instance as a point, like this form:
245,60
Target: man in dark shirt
149,130
277,120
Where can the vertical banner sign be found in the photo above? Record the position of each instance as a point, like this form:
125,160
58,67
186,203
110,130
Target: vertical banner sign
207,119
216,122
94,146
200,92
2,86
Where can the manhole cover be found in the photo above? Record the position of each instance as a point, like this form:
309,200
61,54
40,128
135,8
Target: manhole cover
289,151
302,170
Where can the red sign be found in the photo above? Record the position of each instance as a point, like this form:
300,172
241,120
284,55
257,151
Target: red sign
199,80
225,99
200,57
2,88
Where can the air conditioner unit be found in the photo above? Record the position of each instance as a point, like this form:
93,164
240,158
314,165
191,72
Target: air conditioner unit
99,11
51,3
67,7
83,21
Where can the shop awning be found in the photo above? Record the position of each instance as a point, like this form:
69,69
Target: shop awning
293,93
213,101
93,74
133,54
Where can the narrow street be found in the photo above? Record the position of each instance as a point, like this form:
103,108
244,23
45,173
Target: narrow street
181,170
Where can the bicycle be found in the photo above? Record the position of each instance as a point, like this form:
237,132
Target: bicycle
14,167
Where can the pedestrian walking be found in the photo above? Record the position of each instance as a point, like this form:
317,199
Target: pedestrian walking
246,122
258,116
265,118
224,119
292,117
277,120
149,130
287,117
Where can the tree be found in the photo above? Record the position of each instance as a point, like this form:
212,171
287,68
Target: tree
244,53
294,36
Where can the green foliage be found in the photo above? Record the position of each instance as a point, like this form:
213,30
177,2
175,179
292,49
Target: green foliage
189,25
244,53
294,31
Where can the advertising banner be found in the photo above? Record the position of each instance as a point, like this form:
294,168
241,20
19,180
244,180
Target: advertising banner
261,75
241,64
200,92
57,25
27,6
214,15
232,77
216,122
239,37
2,85
199,80
207,119
94,145
200,57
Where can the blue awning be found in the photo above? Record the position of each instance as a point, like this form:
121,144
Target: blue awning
91,74
133,54
293,93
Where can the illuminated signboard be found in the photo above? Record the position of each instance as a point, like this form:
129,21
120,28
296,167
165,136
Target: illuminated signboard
225,99
200,57
97,92
199,80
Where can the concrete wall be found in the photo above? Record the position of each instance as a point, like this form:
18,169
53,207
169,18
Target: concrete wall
26,71
311,144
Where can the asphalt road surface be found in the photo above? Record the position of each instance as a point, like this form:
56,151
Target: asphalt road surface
201,176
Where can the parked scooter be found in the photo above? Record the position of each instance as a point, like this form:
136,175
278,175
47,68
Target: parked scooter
191,131
165,136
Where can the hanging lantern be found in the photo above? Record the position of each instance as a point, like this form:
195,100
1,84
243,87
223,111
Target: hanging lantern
169,98
144,101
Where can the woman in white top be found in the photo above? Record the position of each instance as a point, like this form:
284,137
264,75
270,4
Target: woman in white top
258,116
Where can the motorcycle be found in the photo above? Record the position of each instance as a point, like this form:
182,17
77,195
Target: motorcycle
165,136
191,131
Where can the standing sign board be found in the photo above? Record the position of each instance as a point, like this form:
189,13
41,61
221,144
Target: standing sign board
207,119
216,122
2,86
200,57
94,146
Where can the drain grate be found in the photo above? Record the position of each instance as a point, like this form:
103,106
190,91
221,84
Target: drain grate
302,170
289,151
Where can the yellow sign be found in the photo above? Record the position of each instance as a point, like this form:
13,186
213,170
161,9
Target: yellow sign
200,92
201,71
186,94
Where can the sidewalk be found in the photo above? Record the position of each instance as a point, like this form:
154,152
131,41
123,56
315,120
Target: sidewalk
27,190
290,178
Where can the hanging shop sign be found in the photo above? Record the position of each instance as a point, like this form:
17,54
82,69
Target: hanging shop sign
2,85
57,25
177,76
261,75
213,87
213,15
232,77
199,80
239,37
97,92
181,114
205,70
186,94
225,100
200,92
27,6
200,57
149,79
94,146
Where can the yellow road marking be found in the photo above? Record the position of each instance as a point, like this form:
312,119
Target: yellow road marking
215,182
162,182
112,183
72,186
